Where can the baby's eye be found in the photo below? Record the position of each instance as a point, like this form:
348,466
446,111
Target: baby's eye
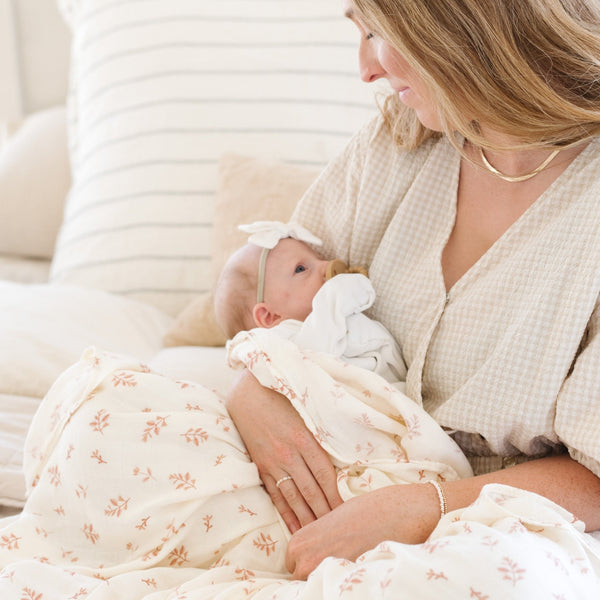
300,269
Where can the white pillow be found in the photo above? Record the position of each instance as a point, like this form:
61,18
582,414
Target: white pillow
34,181
162,88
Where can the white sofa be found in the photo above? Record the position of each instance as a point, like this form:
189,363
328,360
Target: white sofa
184,119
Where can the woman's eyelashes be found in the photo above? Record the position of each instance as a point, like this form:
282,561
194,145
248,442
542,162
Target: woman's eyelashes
370,36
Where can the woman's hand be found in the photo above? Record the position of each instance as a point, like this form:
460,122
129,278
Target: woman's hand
405,513
280,445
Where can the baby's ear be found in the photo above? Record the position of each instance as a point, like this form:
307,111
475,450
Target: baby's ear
264,317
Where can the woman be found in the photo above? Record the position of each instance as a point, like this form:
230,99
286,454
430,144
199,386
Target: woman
474,201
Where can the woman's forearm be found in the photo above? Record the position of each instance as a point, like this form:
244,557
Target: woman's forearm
558,478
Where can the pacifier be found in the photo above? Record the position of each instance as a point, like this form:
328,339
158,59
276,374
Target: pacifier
338,266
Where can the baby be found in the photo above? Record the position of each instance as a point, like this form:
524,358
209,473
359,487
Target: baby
278,281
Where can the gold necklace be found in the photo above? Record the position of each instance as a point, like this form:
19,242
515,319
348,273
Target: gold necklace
516,178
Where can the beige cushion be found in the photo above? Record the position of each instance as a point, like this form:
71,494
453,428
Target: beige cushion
34,181
248,190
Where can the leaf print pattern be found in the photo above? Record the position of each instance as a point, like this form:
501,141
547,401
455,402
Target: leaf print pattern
145,475
153,428
354,578
100,421
511,570
30,594
178,556
116,506
124,379
54,476
143,496
98,457
90,534
265,543
195,436
9,542
182,481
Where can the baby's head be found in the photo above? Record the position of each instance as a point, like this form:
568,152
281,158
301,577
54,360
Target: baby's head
291,274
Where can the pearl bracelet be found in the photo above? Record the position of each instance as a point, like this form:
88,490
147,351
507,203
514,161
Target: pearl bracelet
441,497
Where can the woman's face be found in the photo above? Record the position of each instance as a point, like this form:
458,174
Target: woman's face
379,59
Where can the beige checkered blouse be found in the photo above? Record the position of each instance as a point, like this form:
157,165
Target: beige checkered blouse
509,358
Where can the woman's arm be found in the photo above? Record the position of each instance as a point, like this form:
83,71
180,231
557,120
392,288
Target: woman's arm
280,445
409,513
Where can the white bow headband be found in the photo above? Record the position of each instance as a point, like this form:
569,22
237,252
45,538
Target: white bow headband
266,235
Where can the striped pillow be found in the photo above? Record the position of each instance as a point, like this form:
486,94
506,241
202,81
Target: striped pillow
160,89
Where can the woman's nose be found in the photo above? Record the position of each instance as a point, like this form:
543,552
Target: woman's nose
369,67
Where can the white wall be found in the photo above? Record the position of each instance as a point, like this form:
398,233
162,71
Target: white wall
34,54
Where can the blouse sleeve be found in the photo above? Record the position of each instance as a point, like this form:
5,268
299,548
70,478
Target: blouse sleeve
577,421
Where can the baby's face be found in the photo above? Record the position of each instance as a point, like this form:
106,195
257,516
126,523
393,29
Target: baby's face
294,274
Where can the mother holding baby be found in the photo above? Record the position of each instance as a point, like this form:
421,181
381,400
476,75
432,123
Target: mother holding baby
474,199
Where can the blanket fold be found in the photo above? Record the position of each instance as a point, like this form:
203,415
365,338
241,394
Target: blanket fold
141,488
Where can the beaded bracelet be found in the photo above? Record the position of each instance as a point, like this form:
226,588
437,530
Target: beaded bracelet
441,497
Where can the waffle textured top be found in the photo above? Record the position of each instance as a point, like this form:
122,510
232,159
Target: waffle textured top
508,359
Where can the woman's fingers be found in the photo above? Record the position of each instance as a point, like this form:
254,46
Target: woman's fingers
280,445
281,504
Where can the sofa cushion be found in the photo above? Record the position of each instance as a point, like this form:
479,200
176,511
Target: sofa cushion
159,91
249,189
34,181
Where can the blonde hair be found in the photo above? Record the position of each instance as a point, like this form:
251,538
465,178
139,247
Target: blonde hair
235,292
528,68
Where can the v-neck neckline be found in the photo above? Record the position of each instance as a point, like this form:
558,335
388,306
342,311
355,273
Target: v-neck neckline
539,204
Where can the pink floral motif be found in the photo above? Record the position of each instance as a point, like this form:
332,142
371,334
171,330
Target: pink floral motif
322,434
90,534
399,454
413,427
245,509
431,547
178,556
70,451
30,594
432,575
511,570
145,475
150,582
195,436
354,578
124,379
219,460
100,421
243,574
182,481
9,542
98,457
223,421
284,388
116,506
54,475
143,524
364,420
265,543
154,427
80,491
207,520
80,594
478,595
